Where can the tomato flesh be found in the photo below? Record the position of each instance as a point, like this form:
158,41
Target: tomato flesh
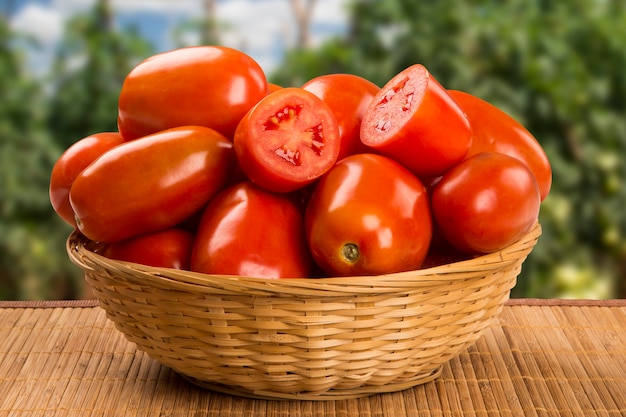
289,139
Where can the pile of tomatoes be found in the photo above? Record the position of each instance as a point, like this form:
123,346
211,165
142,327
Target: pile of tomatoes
215,170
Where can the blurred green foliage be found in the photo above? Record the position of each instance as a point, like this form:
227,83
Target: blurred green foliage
557,67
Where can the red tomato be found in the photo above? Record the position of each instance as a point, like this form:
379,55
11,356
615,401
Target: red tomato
415,121
169,248
248,231
210,86
150,184
289,139
368,215
486,203
273,87
348,96
496,131
75,159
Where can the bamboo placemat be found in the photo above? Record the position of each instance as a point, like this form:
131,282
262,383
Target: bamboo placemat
546,358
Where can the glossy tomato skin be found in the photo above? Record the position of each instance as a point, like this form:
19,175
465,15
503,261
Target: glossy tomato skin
287,140
496,131
150,183
248,231
486,203
212,86
168,248
71,162
348,96
415,121
368,215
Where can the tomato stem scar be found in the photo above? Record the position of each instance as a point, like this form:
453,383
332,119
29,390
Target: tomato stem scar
350,252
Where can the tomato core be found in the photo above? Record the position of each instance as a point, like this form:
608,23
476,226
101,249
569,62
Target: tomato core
350,252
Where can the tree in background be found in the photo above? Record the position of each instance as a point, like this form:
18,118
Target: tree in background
29,238
558,68
90,66
36,125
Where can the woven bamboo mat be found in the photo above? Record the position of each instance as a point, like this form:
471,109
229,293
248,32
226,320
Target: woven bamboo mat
547,358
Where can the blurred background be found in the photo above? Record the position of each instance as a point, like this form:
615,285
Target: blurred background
557,67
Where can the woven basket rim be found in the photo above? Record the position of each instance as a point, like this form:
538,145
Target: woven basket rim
84,253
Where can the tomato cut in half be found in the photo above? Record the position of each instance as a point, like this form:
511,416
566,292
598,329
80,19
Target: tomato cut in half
287,140
414,120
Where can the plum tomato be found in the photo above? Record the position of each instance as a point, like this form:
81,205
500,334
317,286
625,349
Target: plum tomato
212,86
496,131
287,140
168,248
248,231
348,96
415,121
486,203
151,183
71,162
368,215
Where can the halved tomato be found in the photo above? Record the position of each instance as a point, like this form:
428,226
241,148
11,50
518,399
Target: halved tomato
288,140
415,121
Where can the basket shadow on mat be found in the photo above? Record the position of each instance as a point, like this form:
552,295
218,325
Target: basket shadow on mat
307,339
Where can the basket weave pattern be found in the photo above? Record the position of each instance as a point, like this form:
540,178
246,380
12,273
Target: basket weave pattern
331,338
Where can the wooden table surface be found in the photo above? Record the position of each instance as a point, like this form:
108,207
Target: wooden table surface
544,358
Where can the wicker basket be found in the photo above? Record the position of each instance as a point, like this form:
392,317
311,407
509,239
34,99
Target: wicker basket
312,339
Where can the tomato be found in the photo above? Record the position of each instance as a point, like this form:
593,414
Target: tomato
368,215
486,203
415,121
248,231
496,131
151,183
348,96
289,139
271,87
169,248
210,86
67,167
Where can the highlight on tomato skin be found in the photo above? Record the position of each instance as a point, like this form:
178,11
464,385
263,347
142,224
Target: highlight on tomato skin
414,120
287,140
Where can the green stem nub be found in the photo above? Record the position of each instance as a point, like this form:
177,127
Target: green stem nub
350,252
